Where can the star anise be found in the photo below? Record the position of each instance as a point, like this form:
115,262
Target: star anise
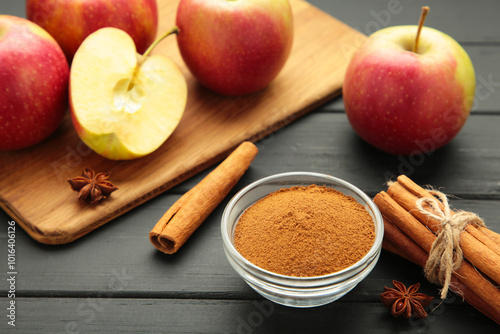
404,301
91,186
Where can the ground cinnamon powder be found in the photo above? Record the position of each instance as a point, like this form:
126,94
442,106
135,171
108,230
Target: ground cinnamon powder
305,231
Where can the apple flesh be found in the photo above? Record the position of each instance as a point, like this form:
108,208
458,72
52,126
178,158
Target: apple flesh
70,22
33,83
235,47
124,105
406,102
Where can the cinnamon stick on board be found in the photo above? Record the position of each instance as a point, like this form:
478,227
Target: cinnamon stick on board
187,214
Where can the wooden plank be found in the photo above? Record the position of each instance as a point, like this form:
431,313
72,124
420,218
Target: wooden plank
107,315
36,192
466,21
200,269
320,142
324,142
15,8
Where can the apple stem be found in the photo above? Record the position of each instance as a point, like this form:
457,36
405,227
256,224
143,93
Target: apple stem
174,30
423,15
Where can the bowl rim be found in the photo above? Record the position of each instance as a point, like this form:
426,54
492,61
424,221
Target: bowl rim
280,278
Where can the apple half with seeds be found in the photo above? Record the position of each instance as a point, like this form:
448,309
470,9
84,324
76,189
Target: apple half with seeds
124,105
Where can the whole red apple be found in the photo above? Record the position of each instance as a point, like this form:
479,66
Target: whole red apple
235,47
70,22
33,83
406,102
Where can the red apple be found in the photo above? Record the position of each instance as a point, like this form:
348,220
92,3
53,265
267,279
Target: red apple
235,47
70,22
404,101
33,83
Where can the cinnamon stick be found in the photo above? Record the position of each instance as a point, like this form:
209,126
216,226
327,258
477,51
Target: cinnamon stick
483,235
391,210
395,241
490,238
480,255
488,295
189,212
399,243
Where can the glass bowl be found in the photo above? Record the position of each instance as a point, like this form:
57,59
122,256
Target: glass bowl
291,290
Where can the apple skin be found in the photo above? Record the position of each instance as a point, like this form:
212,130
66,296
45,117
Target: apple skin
235,47
70,22
33,83
408,103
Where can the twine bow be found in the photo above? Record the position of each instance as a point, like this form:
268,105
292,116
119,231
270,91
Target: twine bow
445,255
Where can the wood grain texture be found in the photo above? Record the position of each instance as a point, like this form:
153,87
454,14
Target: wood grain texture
35,191
105,314
466,21
199,270
319,142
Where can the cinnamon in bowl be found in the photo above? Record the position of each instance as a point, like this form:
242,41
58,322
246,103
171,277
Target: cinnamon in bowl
302,239
305,231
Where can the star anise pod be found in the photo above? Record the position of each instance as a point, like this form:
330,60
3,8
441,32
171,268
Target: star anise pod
404,301
91,186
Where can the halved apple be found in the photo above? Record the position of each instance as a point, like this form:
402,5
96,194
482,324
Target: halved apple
124,105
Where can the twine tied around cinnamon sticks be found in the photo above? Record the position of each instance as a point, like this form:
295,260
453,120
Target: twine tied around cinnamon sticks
445,255
411,234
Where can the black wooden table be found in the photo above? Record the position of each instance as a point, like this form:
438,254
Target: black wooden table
114,281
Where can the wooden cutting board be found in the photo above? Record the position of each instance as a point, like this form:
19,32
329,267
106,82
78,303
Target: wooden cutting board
33,186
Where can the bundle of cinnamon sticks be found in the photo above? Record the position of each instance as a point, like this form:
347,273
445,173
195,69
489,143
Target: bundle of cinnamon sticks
411,233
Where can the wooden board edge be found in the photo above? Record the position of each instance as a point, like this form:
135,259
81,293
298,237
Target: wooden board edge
29,228
55,237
